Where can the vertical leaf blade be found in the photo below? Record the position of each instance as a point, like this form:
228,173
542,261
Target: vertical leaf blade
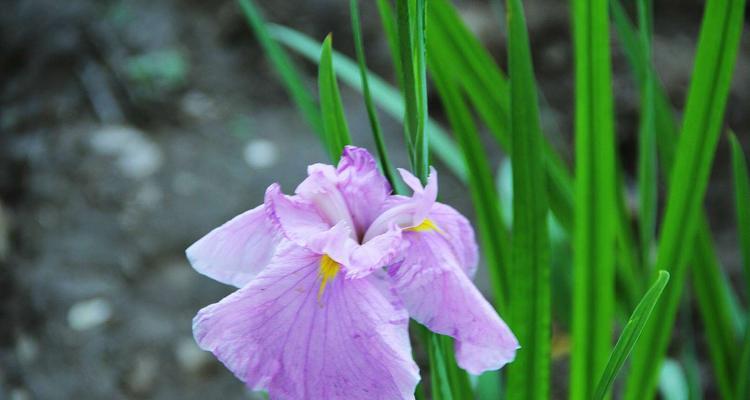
372,114
714,63
630,335
411,29
742,203
334,121
712,291
529,302
594,231
647,174
285,68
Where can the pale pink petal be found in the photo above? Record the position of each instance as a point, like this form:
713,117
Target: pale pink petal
402,211
374,254
439,294
275,334
353,191
297,219
362,185
236,251
321,188
458,234
335,242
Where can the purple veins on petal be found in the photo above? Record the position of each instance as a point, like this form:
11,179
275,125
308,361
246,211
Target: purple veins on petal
275,334
236,251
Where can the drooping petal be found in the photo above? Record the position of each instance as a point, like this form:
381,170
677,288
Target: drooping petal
458,234
279,333
297,219
236,251
439,294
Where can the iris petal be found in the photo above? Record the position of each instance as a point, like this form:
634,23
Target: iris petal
236,251
275,335
437,292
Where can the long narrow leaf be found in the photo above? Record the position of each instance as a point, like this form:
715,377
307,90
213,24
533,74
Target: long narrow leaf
334,120
743,384
529,300
388,20
704,111
594,232
630,335
289,75
742,209
411,28
492,234
647,174
372,114
387,97
742,203
716,302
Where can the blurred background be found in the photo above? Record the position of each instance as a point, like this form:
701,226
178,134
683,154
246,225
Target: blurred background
128,129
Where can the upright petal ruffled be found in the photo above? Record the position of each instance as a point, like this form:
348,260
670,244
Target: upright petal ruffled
236,251
353,191
362,185
283,334
405,211
439,294
297,219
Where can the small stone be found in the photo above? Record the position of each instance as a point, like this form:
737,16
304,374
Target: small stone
136,155
199,106
26,349
19,394
260,153
190,357
143,375
89,314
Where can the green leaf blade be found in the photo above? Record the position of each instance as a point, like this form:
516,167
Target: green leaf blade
334,121
630,335
595,225
704,111
529,295
372,114
290,77
742,203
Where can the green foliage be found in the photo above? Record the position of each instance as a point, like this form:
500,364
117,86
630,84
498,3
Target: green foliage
372,114
595,224
591,208
289,75
334,121
529,295
742,209
630,334
704,111
712,291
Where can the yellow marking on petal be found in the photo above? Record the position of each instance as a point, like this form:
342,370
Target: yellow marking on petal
328,270
427,225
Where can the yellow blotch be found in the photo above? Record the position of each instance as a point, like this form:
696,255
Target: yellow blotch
427,225
328,270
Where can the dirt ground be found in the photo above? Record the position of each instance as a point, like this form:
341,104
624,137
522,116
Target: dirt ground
128,129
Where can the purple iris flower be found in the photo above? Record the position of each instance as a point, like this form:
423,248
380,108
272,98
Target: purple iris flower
328,279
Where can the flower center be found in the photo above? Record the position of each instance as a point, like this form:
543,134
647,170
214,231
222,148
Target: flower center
327,271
